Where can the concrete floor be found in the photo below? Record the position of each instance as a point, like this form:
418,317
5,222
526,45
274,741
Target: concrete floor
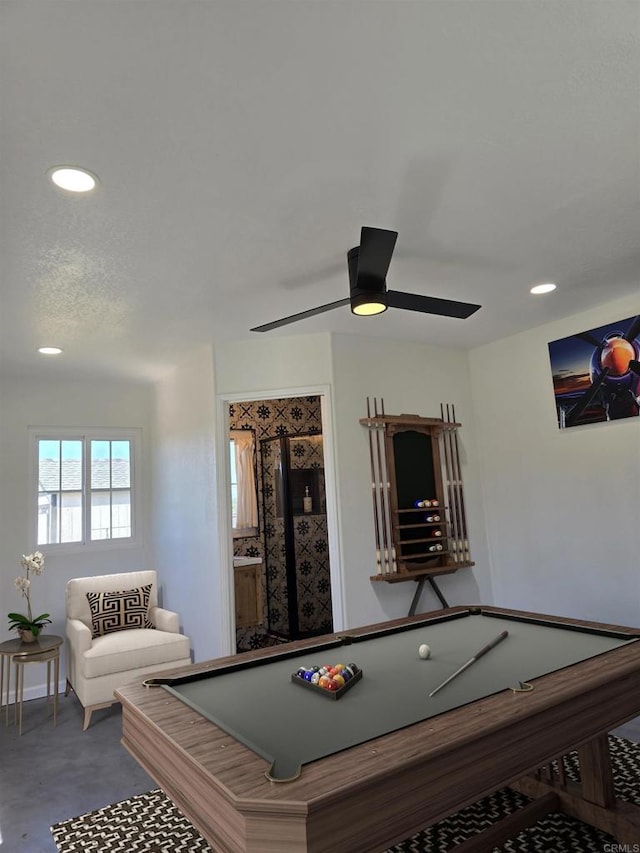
50,774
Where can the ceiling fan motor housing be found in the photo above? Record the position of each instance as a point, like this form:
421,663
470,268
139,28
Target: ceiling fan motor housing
362,288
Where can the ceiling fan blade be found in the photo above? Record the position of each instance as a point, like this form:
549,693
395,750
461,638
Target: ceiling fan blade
301,316
430,304
374,256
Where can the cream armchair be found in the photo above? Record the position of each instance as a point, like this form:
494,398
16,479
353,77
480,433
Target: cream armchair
115,638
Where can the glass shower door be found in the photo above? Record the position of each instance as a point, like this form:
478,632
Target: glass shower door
276,520
295,537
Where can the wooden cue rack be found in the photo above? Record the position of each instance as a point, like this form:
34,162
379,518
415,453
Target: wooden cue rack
412,459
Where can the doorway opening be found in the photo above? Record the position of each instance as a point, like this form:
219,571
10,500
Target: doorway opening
282,568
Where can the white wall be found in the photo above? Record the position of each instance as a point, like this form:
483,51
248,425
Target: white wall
28,402
562,506
411,378
185,539
264,363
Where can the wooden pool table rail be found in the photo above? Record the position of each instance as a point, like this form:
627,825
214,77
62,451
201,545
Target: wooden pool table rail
378,793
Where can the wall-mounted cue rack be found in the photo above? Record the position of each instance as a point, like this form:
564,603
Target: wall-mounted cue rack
418,500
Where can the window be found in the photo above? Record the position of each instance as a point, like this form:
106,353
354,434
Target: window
234,484
244,503
85,486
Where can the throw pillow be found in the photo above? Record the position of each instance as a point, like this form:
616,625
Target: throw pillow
118,611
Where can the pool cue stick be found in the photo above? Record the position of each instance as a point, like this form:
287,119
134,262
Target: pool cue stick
387,492
385,541
463,515
376,523
448,463
454,492
462,553
472,660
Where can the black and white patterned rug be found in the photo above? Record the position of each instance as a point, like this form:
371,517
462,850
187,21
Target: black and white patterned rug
150,823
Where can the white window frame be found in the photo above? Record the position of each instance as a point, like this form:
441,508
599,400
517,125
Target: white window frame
86,435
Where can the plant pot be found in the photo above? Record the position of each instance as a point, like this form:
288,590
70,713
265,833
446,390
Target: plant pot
27,636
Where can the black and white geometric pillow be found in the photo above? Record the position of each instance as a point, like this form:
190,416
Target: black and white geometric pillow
118,611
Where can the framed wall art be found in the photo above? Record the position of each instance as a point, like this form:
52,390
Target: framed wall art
596,374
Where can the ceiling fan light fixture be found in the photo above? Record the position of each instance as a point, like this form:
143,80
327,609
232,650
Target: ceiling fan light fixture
367,306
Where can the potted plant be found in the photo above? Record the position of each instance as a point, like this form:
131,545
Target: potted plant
27,627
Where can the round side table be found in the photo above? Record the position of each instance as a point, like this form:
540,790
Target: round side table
46,649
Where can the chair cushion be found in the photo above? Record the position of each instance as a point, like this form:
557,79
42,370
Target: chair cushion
77,604
123,651
119,611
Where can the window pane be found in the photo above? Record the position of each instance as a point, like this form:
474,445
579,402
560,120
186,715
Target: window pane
100,465
121,464
100,514
48,518
121,515
71,471
234,504
110,489
234,484
59,491
48,466
71,517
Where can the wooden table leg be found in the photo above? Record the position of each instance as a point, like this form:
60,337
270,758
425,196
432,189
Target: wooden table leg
596,773
593,799
19,696
6,710
56,677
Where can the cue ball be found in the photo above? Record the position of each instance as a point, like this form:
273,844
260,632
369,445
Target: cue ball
424,651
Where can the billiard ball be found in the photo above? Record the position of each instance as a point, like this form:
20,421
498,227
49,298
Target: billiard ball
308,675
332,684
323,681
301,671
338,678
315,678
424,651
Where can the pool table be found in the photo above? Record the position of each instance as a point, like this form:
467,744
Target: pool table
386,759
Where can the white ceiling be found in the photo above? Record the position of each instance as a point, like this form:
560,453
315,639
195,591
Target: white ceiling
241,146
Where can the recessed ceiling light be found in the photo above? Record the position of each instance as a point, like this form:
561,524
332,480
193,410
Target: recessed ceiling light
543,288
49,350
73,179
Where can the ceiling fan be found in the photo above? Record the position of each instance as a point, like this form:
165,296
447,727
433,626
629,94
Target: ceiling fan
368,265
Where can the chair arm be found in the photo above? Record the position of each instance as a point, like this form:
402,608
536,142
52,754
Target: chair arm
165,620
78,635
